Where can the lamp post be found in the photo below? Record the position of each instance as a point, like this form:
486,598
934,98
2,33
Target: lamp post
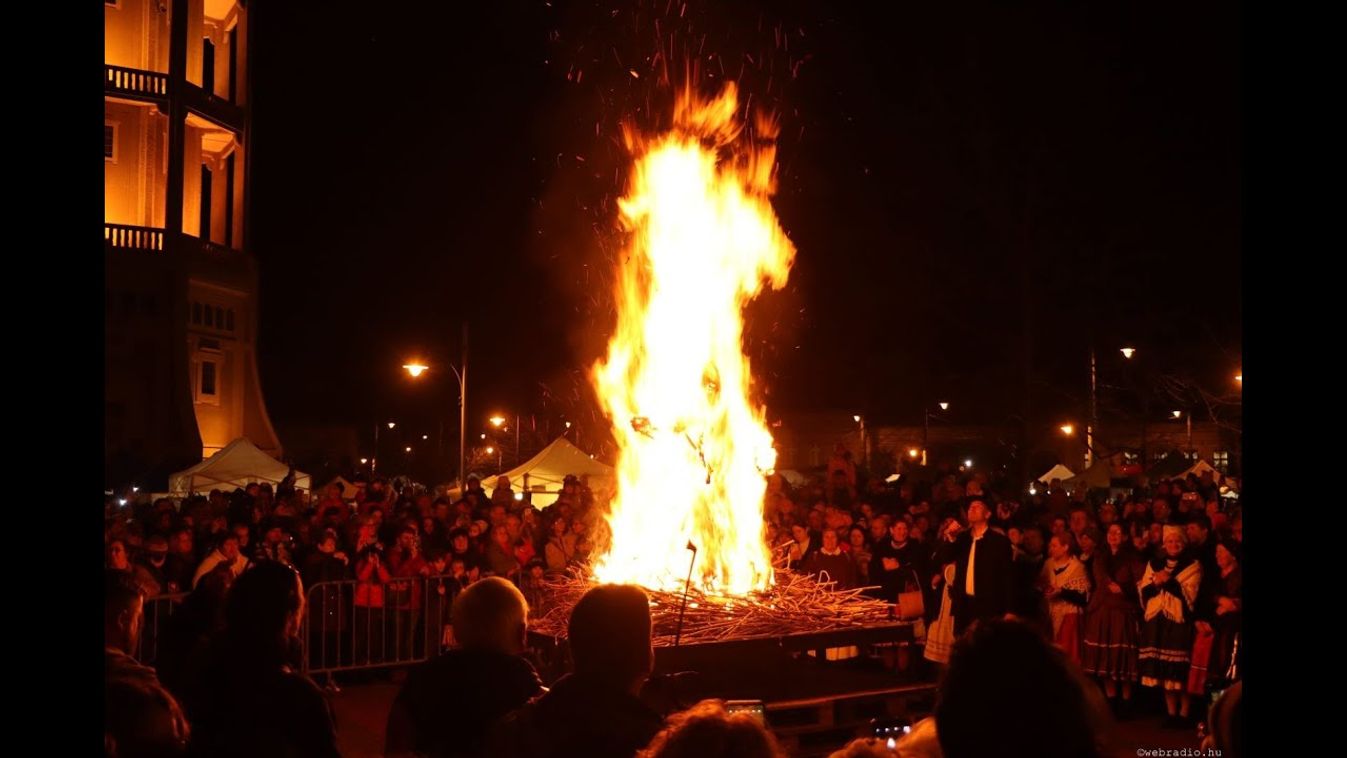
926,429
374,462
416,369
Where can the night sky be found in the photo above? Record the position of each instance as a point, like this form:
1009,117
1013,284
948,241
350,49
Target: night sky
948,174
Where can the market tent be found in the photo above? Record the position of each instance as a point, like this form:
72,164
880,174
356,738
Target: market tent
237,464
1099,474
1057,472
1199,468
1173,465
348,490
545,473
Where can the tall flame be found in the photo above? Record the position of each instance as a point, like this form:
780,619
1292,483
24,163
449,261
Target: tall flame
675,384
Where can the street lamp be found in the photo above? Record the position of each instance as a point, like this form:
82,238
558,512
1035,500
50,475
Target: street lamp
1067,429
1189,419
1127,352
912,452
416,369
375,465
861,420
496,421
926,428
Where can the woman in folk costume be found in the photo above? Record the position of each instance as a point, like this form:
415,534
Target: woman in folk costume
1110,652
1067,590
940,636
1224,665
1168,590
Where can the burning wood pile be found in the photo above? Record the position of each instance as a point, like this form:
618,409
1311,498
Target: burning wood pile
796,603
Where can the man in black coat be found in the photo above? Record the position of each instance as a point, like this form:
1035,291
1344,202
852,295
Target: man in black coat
986,593
449,702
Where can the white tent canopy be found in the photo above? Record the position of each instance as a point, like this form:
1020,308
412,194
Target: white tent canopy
545,473
1057,472
237,464
1198,469
348,490
1099,474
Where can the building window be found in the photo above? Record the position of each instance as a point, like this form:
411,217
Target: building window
210,317
110,141
205,388
219,318
1220,459
229,319
196,313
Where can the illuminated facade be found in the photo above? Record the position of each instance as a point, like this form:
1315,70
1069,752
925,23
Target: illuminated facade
181,375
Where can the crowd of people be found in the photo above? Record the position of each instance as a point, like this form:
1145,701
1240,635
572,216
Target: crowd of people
1142,590
1135,593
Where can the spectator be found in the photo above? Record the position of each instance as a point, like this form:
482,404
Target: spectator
1227,616
118,557
707,730
149,570
252,702
594,711
560,550
140,717
1110,651
188,632
404,593
832,562
1008,693
982,578
227,552
274,544
448,703
860,554
802,548
940,637
324,569
180,566
896,563
500,557
1168,591
371,576
1066,588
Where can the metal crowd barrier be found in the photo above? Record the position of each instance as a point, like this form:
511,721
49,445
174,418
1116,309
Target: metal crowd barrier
350,625
158,609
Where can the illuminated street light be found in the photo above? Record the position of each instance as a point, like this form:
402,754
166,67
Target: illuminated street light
968,462
496,421
363,461
944,406
409,448
490,450
415,368
1178,414
392,424
1067,429
1128,352
912,452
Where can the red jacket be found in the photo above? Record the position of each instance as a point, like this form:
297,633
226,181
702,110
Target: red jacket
369,591
406,595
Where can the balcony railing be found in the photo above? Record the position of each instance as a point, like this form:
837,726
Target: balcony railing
119,80
124,237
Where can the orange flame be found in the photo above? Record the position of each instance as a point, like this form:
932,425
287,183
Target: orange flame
675,384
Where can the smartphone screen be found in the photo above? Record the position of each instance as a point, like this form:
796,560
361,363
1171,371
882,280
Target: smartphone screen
753,708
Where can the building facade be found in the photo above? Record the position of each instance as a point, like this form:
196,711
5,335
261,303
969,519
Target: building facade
181,377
